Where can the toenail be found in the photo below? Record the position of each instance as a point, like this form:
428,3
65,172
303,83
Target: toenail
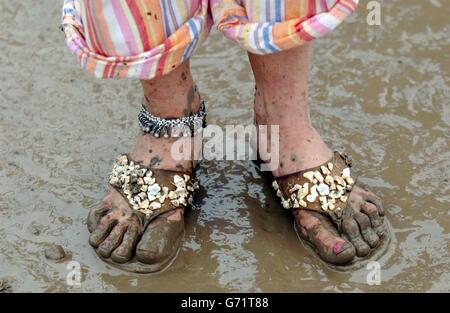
337,248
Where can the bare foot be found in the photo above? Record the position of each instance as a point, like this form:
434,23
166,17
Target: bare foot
119,232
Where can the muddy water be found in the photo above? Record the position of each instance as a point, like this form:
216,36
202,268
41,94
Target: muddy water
382,93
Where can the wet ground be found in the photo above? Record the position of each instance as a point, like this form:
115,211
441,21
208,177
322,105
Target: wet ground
380,92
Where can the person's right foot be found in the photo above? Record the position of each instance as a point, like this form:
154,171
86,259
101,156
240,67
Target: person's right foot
120,233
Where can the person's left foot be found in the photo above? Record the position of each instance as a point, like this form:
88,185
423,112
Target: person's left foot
363,227
339,218
301,148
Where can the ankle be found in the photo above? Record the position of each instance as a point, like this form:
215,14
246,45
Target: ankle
173,95
273,107
300,145
176,106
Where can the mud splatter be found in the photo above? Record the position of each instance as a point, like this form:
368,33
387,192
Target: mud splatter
372,90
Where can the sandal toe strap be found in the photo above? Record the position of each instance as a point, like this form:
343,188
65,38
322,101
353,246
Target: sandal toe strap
151,192
324,189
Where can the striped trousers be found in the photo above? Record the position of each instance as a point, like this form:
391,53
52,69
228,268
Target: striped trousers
143,39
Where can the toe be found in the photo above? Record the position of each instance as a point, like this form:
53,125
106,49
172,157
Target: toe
343,252
113,240
321,233
161,239
124,251
95,215
376,220
366,230
102,231
351,229
372,198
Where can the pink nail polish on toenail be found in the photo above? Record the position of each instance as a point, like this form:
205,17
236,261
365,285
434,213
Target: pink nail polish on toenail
338,247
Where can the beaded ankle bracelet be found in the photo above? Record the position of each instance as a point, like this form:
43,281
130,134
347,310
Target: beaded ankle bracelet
184,126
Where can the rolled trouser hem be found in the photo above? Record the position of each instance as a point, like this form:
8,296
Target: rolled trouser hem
271,37
158,61
154,63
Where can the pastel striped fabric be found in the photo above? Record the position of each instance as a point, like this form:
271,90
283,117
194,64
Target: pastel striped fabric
144,39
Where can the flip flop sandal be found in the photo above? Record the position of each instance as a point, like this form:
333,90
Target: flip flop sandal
151,193
324,190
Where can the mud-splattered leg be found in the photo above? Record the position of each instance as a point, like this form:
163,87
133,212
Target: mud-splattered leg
116,231
281,98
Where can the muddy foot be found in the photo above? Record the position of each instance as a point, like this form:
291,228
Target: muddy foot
363,220
323,236
363,227
120,234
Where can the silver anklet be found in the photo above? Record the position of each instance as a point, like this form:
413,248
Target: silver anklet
173,127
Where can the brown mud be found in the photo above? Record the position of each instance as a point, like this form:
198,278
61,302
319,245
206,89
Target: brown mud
379,92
